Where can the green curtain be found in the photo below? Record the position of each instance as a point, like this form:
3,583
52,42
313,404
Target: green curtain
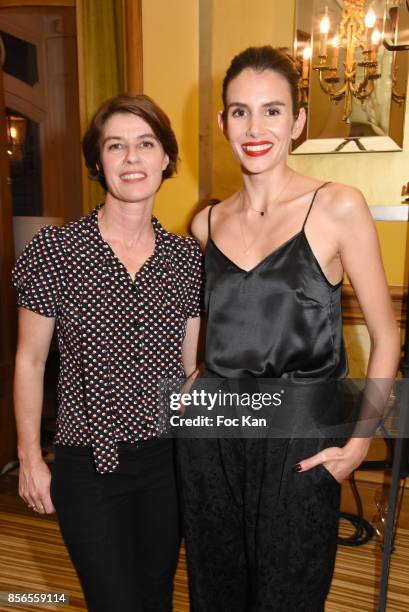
101,67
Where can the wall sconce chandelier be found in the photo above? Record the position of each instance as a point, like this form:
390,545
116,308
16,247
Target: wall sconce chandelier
16,137
355,97
356,31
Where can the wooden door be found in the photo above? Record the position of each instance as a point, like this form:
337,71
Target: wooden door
41,86
7,300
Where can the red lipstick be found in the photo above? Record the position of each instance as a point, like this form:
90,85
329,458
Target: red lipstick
256,148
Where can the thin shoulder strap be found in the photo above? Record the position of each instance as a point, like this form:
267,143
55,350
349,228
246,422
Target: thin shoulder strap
312,202
209,218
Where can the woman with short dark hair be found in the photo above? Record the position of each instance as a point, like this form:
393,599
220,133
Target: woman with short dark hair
261,515
141,106
124,295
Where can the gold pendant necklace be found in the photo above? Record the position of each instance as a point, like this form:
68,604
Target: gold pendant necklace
247,248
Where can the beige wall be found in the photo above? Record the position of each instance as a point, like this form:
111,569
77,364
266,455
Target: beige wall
170,66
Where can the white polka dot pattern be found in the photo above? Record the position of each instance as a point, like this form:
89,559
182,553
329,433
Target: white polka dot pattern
117,337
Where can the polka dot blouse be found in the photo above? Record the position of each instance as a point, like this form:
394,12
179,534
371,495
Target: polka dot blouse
117,337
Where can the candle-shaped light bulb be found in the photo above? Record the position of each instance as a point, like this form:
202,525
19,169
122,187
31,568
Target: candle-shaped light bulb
376,37
370,21
13,132
375,40
325,24
335,51
324,29
306,56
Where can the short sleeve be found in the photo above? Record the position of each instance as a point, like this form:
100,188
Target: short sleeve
36,274
194,303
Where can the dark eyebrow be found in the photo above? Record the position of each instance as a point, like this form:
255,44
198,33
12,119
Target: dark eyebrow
242,105
148,135
274,103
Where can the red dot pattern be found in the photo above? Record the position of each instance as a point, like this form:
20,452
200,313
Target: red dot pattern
117,337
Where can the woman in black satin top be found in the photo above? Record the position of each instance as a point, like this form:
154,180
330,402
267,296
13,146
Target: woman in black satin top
261,515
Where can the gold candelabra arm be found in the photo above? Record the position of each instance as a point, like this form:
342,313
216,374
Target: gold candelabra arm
365,89
328,81
367,85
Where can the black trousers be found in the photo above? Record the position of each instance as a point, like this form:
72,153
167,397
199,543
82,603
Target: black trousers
121,529
259,537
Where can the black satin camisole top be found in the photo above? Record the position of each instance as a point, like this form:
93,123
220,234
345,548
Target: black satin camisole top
280,319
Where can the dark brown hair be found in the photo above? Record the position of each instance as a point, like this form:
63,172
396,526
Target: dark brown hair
137,104
260,59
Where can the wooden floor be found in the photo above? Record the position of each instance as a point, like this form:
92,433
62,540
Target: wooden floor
33,558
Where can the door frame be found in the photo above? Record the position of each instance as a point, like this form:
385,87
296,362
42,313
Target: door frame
8,312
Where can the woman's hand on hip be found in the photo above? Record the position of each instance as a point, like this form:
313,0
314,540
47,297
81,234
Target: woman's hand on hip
34,486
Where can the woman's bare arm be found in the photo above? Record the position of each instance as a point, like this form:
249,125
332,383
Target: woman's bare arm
190,346
34,338
360,254
362,261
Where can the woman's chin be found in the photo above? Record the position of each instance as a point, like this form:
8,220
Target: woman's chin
254,169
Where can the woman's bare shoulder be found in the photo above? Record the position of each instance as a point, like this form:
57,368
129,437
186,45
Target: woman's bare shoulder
344,203
200,223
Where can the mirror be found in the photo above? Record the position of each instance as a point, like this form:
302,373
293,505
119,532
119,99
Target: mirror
372,118
397,38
